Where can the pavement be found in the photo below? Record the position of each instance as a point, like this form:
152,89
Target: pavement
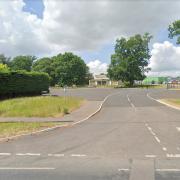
133,137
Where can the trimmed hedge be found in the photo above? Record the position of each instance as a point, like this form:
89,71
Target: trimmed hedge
19,83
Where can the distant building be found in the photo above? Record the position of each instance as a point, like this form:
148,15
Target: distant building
103,80
100,80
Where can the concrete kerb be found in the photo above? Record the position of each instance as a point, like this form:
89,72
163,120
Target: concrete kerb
164,103
60,126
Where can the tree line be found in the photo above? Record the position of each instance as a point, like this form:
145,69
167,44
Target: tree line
63,69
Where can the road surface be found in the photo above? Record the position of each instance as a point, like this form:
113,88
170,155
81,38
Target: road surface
133,137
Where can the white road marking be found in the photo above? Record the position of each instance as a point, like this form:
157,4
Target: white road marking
78,155
150,156
100,107
26,168
155,136
173,155
123,169
56,155
164,149
28,154
178,129
5,154
132,105
157,139
169,170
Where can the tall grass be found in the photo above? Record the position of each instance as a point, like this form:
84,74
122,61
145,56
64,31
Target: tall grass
38,106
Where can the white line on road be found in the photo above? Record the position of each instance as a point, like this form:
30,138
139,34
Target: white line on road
150,156
173,155
178,129
26,168
169,170
5,154
123,169
28,154
132,105
56,155
164,149
78,155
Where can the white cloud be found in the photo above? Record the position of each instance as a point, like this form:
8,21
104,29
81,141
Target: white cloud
79,25
97,67
165,60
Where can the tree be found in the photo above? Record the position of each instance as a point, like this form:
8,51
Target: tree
131,58
174,30
4,68
45,65
4,59
70,69
22,63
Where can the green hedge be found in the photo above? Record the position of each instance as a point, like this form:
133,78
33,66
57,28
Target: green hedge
17,83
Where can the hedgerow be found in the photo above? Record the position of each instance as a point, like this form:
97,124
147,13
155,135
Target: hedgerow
17,83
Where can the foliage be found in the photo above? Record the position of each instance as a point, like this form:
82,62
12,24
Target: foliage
131,58
4,68
174,30
69,69
22,63
42,106
45,65
4,59
14,83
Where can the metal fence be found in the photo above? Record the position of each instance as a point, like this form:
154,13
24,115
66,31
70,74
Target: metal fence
173,85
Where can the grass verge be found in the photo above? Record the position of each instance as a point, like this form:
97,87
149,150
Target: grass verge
174,102
17,128
39,106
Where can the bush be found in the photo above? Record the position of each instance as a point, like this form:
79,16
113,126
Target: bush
20,83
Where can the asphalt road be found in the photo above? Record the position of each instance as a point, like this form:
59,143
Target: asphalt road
133,137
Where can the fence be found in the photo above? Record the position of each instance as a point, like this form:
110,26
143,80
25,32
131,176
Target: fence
173,85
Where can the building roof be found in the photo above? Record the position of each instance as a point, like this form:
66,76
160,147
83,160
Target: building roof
101,77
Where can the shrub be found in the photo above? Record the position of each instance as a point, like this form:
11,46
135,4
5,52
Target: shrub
65,110
19,83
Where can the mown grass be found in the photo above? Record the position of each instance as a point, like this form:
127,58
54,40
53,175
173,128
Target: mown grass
175,102
39,106
16,128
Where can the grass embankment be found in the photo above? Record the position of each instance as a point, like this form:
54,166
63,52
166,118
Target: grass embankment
17,128
174,102
39,106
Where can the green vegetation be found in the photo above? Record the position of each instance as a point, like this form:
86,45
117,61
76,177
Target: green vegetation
175,102
16,128
22,63
131,59
15,83
64,69
174,30
155,80
39,106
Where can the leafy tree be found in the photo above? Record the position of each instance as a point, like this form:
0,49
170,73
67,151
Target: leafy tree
45,65
4,59
131,58
22,63
69,69
174,30
4,68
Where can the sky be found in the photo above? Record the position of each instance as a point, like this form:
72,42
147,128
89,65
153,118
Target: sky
89,29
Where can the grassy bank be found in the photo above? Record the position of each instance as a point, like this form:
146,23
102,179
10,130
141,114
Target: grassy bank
39,106
17,128
174,102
